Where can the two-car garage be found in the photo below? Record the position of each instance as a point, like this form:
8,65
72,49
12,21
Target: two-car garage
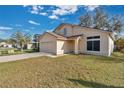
48,47
48,43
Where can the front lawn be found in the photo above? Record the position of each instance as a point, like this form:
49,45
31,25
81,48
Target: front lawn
65,71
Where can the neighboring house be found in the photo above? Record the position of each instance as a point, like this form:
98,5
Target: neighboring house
68,38
5,45
30,45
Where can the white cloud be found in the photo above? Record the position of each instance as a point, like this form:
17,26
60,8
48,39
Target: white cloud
33,22
40,7
60,12
44,14
91,7
5,28
35,9
49,30
53,17
65,9
54,11
34,12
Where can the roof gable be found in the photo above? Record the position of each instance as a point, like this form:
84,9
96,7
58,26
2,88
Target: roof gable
110,33
82,27
54,35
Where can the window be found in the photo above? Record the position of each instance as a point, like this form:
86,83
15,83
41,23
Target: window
93,37
96,46
89,45
93,43
65,31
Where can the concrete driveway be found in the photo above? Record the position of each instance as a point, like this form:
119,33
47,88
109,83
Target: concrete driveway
23,56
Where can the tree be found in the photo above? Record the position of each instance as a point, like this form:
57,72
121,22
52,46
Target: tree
119,43
101,19
1,40
12,41
117,24
86,20
36,40
36,37
21,39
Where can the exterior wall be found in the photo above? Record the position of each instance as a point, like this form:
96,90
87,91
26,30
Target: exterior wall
30,46
104,41
68,29
111,45
48,44
81,46
60,47
64,47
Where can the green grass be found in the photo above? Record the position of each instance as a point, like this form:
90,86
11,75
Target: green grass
66,71
118,54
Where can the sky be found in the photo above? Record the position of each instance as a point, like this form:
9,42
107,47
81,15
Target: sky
38,19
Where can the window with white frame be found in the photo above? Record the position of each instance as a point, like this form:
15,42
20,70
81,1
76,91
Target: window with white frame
93,43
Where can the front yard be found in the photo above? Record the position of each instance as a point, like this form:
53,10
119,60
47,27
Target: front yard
65,71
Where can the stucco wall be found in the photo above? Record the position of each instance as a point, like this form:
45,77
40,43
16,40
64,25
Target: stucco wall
104,40
68,29
48,44
111,45
106,43
64,46
51,44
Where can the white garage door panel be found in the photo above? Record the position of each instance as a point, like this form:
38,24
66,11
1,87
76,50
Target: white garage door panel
48,47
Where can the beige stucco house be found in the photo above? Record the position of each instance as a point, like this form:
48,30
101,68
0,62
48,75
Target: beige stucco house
68,38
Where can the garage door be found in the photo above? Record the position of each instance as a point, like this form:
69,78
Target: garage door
48,47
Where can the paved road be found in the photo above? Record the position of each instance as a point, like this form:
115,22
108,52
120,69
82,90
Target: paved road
23,56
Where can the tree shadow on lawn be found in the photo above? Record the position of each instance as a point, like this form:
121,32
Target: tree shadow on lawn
110,59
93,84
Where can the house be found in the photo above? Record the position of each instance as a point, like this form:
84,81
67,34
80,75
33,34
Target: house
31,45
68,38
5,45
